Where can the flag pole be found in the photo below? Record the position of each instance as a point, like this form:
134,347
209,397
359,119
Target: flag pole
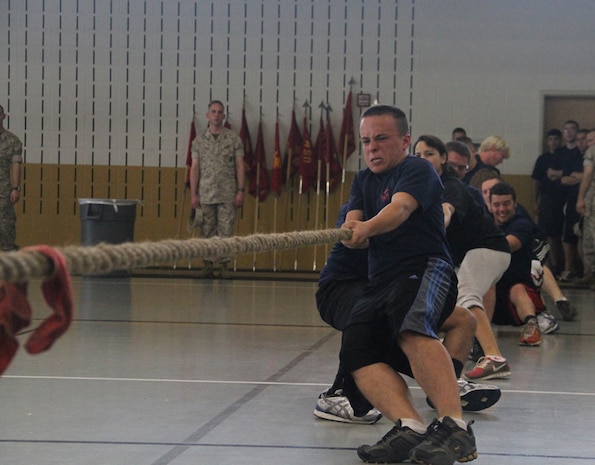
256,209
306,106
318,169
318,166
186,186
274,232
343,169
289,187
299,213
275,194
175,266
328,178
237,220
287,195
345,145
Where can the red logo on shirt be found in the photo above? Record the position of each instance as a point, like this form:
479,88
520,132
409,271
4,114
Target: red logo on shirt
385,196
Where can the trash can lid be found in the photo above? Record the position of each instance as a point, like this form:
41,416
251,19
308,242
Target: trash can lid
114,202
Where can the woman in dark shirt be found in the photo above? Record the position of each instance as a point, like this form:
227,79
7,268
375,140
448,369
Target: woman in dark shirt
480,252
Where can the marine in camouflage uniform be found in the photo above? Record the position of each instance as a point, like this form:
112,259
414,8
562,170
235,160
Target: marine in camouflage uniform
11,150
585,206
217,179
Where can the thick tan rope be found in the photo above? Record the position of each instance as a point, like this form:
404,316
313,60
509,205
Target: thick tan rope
22,265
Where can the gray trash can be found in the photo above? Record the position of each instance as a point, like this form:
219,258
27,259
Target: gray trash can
107,220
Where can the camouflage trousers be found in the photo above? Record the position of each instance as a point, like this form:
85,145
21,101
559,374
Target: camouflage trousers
218,220
588,244
8,220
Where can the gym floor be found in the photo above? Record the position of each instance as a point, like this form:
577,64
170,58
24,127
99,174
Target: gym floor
192,371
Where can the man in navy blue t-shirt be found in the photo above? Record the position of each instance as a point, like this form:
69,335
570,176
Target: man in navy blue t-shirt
396,211
518,298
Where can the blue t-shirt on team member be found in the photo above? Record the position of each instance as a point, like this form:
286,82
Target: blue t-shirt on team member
519,270
422,234
477,195
470,227
479,165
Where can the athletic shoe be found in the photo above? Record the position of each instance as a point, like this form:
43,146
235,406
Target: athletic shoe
474,396
207,271
395,446
547,323
223,271
587,280
530,334
336,407
567,311
568,276
445,444
488,368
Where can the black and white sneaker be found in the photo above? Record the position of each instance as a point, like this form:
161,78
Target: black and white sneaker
475,396
336,407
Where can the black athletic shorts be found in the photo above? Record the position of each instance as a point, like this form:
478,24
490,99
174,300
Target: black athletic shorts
336,298
572,217
418,297
551,214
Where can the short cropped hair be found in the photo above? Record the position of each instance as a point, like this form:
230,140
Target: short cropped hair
460,131
459,147
573,122
503,188
482,175
398,114
216,102
554,132
495,143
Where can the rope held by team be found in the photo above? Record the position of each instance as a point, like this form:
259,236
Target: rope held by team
103,258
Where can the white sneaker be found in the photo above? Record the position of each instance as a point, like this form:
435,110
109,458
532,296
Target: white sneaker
336,407
547,323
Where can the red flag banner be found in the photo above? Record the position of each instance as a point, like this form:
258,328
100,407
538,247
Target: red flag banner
277,173
258,176
307,168
247,142
189,153
332,158
347,133
293,149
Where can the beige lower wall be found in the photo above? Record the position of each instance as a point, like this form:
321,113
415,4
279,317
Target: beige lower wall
523,186
49,211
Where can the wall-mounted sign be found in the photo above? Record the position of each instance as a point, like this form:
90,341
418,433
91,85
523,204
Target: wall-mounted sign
363,100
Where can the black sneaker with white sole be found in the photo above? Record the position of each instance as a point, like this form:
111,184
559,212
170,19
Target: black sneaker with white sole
475,396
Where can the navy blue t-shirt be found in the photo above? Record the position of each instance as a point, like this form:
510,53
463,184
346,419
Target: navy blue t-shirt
572,161
422,234
477,195
542,164
343,262
470,227
519,270
480,165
